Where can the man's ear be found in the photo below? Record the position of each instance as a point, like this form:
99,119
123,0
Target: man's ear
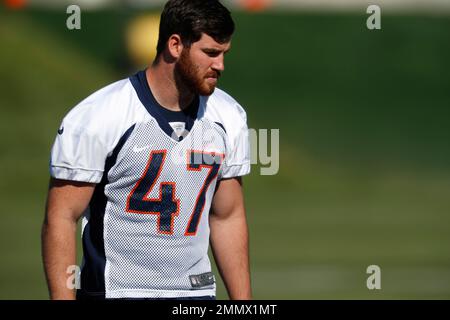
175,46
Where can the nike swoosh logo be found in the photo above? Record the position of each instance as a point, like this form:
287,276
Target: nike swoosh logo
140,149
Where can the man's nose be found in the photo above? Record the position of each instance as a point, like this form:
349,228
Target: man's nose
218,63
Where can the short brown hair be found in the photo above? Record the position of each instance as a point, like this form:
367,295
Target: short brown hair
191,18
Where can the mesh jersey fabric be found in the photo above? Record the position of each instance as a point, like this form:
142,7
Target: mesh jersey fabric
146,231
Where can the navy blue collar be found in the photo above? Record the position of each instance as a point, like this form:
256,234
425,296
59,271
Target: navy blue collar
162,115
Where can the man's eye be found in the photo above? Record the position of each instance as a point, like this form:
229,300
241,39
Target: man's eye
212,54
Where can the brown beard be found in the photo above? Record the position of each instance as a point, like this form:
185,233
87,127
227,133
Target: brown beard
187,75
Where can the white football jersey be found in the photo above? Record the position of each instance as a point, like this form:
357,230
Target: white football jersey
146,231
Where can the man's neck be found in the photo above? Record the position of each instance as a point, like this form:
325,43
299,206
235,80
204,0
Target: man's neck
160,78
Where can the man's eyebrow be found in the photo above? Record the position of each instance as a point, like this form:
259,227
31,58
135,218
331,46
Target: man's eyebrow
214,50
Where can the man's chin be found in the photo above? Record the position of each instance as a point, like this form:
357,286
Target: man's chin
206,90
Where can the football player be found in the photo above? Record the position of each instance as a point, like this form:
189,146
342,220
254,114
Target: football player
153,165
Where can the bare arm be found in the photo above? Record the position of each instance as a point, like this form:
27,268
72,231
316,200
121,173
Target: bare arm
229,238
66,203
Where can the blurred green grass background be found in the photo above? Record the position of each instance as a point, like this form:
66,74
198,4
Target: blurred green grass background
365,160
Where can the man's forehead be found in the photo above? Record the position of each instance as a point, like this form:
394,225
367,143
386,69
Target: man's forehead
207,41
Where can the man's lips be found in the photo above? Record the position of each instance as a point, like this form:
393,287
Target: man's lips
214,75
211,80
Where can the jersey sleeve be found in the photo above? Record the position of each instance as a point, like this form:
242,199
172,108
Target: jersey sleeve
237,160
78,153
89,132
